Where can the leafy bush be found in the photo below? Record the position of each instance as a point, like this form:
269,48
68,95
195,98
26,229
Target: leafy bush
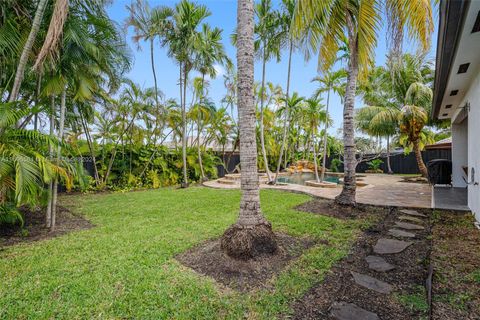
335,164
9,215
375,164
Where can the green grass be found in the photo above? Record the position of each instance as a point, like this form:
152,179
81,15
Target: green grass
124,267
415,301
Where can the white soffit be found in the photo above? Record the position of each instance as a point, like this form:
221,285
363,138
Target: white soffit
468,51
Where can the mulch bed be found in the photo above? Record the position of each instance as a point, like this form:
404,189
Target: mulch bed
208,259
408,276
329,208
35,230
456,261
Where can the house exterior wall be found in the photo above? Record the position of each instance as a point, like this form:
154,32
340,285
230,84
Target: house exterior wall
472,97
459,153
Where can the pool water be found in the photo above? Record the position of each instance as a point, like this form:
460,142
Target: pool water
300,178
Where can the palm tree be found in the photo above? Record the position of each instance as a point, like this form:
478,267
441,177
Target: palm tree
399,98
24,169
37,20
149,24
380,116
313,115
286,22
291,104
324,24
181,39
268,44
208,51
252,234
330,81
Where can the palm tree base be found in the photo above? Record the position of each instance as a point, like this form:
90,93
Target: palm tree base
184,185
346,199
247,242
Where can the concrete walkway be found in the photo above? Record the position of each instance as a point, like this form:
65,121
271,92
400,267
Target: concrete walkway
382,189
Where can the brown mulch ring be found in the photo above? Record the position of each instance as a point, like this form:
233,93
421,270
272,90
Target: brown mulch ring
34,228
209,259
456,261
329,208
408,299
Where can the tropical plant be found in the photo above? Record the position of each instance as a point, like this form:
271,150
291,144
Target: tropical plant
314,114
325,24
181,39
374,165
252,234
24,169
268,42
330,81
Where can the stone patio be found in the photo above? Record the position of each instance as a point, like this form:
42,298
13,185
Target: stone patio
382,189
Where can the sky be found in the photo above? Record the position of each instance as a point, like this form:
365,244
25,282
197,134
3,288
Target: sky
224,16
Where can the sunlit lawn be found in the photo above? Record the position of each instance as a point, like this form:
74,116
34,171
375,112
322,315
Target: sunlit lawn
125,266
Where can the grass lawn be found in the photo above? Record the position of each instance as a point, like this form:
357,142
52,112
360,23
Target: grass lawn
124,267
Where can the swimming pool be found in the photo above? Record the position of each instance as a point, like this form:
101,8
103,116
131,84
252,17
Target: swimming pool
300,178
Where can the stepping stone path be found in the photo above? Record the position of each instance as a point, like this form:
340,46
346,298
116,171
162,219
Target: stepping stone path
411,219
414,213
378,264
390,246
371,283
401,233
350,311
408,226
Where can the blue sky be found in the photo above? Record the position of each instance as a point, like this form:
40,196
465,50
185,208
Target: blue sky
224,17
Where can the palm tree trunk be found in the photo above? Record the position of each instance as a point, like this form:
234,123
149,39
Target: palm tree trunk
59,154
152,60
389,167
287,114
262,100
252,234
418,157
317,178
198,136
347,196
27,48
184,128
325,139
48,214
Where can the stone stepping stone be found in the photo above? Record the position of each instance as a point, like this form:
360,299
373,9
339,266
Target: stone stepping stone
408,226
414,213
390,246
349,311
378,264
371,283
401,233
411,219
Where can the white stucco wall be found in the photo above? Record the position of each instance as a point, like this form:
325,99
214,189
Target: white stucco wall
473,98
459,153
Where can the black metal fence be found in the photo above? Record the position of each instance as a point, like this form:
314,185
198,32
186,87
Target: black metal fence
399,162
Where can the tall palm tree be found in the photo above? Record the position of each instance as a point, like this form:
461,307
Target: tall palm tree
149,24
324,24
208,51
187,18
36,23
286,23
313,115
291,104
329,81
252,234
268,43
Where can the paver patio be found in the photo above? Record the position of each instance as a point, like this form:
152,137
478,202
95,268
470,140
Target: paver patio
382,189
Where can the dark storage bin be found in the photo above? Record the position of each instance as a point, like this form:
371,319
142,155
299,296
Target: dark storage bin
440,171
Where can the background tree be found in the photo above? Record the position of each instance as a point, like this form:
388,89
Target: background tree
330,81
326,23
